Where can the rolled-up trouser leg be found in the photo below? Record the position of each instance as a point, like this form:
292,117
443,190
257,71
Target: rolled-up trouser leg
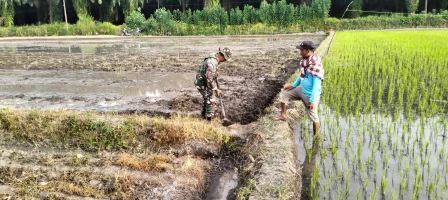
297,94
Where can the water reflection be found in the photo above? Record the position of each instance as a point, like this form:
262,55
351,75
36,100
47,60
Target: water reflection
153,94
139,84
308,147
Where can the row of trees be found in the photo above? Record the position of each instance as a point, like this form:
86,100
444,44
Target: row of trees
49,11
369,7
22,12
279,14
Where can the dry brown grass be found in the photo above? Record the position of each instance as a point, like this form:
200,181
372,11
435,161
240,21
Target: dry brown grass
158,163
84,191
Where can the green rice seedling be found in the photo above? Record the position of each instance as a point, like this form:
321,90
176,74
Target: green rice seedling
373,194
385,159
430,188
340,196
366,182
314,181
323,153
334,149
393,196
417,186
384,183
347,180
404,186
396,118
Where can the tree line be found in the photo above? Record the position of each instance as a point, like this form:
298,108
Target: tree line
27,12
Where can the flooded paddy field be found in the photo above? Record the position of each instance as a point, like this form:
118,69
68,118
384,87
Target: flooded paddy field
384,119
66,129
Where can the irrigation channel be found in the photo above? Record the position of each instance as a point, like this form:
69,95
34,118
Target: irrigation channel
145,75
384,119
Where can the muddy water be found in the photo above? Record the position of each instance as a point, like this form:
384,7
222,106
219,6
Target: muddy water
222,186
244,45
372,150
90,82
89,90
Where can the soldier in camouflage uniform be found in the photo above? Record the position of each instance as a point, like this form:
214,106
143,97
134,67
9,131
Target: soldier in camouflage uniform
206,84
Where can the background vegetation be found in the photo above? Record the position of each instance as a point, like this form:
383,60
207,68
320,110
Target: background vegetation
269,18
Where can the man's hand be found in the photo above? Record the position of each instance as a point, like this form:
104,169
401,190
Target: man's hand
218,92
311,106
288,87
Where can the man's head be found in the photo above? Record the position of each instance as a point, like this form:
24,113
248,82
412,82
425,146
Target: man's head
224,54
306,48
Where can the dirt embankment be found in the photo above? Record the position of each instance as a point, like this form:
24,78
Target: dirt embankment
278,175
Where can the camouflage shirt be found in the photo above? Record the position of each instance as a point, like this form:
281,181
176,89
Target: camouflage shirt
208,70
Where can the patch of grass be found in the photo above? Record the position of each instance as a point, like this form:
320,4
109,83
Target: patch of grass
159,163
84,191
78,160
94,131
244,192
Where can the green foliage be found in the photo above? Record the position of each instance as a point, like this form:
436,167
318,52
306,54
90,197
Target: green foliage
305,13
151,25
211,4
107,28
321,8
236,16
357,5
279,13
178,15
412,5
86,26
6,13
215,17
135,19
386,22
81,7
444,14
250,15
55,10
164,22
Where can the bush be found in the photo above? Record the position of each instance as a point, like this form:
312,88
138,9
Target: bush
107,28
305,13
236,16
444,14
85,26
151,25
135,19
250,15
164,20
178,15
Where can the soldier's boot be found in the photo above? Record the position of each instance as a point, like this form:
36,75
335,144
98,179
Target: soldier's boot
203,113
204,109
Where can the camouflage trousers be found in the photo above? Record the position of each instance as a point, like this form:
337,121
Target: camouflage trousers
208,103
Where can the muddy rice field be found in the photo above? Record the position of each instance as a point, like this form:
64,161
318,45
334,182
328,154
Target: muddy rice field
147,75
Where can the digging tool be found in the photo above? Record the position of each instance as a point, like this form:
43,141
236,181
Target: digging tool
226,122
